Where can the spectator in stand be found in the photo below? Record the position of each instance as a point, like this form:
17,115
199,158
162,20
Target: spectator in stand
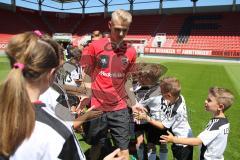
108,62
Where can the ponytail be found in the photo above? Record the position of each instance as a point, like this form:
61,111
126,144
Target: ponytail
17,117
31,56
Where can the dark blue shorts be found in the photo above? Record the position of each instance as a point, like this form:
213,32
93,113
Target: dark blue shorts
154,133
115,122
182,153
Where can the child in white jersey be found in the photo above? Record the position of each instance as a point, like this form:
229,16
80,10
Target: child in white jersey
168,111
148,86
214,138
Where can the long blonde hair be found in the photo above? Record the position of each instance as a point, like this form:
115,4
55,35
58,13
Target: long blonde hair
38,54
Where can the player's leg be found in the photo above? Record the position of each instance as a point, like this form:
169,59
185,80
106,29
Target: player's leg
163,152
95,135
151,151
152,140
140,146
119,124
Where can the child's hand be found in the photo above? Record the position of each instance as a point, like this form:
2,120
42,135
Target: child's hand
167,138
90,114
78,81
73,109
113,155
84,100
140,115
138,108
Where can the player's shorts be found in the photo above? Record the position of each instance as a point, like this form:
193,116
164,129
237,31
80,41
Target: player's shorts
182,153
154,133
117,122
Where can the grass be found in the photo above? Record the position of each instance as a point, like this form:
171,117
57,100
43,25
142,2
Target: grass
4,67
196,78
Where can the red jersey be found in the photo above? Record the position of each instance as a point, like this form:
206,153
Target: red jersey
109,70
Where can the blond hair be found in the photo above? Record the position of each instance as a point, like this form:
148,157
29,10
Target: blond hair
122,15
170,85
222,96
17,117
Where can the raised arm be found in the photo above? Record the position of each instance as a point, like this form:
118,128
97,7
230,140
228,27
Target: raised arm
187,141
144,116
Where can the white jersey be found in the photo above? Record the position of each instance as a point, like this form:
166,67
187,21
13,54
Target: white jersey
214,139
143,93
173,117
146,96
49,97
56,99
51,139
69,73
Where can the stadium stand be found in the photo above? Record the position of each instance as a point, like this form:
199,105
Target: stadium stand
204,34
92,22
61,22
33,18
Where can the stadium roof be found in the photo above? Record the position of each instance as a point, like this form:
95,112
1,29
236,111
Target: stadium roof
66,1
95,6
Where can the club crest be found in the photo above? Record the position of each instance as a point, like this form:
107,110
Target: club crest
124,60
103,61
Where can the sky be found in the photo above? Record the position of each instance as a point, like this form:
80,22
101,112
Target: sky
93,3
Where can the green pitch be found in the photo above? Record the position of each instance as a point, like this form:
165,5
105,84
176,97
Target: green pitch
196,78
4,67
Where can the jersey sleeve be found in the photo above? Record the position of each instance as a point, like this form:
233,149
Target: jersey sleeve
168,121
88,58
146,102
207,136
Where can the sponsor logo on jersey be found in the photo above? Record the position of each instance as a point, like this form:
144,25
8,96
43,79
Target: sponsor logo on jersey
112,75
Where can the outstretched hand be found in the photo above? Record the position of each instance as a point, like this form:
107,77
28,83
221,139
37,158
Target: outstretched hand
114,155
136,110
167,138
84,100
140,115
88,115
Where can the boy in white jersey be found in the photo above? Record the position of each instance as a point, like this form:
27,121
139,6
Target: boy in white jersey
148,88
168,111
214,138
